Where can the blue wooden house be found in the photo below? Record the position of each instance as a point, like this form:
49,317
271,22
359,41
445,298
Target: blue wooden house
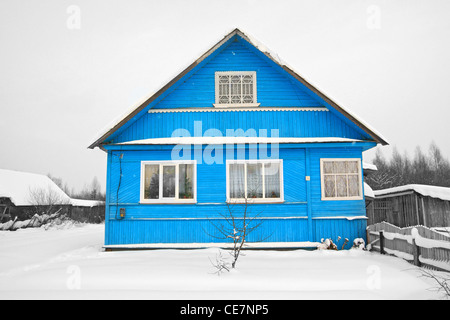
237,127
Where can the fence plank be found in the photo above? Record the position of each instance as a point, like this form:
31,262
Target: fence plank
405,245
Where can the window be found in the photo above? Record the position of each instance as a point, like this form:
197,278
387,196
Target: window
341,179
236,89
168,182
255,180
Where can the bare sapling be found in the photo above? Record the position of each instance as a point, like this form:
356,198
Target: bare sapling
235,225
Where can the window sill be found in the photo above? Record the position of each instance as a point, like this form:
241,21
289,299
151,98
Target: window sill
181,201
342,199
241,105
255,201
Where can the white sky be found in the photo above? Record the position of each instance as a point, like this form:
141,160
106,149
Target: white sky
388,61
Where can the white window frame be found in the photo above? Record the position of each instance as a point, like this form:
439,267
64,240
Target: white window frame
322,178
254,200
176,199
235,105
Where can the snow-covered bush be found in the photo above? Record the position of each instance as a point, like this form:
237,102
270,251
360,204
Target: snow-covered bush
359,243
40,221
328,244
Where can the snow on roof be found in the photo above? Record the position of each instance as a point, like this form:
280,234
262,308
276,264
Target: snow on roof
368,191
26,189
428,191
86,203
369,166
232,140
19,187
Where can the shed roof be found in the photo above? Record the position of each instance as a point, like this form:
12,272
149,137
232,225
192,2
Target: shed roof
424,190
369,166
272,56
368,191
86,203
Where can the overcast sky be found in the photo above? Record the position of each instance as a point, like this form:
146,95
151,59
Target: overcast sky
68,68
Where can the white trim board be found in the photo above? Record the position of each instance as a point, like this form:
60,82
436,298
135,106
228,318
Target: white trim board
248,245
234,140
238,109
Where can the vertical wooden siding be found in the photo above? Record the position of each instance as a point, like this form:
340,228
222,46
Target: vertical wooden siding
412,209
288,123
274,89
186,223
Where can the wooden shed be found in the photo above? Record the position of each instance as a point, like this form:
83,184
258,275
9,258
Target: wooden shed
412,205
23,194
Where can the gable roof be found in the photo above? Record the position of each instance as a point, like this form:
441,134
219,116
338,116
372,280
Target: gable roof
19,187
26,189
377,137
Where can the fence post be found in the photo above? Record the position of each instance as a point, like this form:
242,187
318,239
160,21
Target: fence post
416,251
416,248
381,242
367,235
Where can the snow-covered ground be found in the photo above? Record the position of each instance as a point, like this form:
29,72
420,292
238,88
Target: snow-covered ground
70,264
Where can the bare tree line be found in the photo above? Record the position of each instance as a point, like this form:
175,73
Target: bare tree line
91,191
430,168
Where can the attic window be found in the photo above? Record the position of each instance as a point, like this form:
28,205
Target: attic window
236,89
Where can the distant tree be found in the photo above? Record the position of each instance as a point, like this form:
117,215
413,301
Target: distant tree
429,169
93,191
439,166
47,200
59,182
384,177
422,173
96,189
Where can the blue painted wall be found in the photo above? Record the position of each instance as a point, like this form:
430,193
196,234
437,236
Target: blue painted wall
289,221
287,123
274,89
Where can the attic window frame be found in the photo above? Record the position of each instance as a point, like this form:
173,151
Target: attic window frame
231,104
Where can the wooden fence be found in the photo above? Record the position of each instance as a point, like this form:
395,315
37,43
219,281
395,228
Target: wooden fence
419,245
